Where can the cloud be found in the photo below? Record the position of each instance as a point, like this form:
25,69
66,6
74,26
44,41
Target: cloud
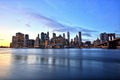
48,22
87,34
45,20
28,25
56,26
84,40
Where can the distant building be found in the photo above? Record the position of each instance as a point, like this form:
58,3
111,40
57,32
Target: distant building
17,41
68,37
88,44
96,43
79,39
64,35
54,35
60,42
46,41
72,45
37,42
26,40
31,43
57,42
42,36
48,38
20,40
76,42
14,42
103,37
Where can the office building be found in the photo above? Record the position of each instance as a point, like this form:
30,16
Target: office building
31,43
54,35
37,42
68,37
104,37
88,44
26,40
79,39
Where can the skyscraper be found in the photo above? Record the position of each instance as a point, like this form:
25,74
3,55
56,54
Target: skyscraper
76,39
31,43
18,40
26,40
103,37
48,38
68,37
47,34
37,42
14,41
54,35
80,39
42,36
64,35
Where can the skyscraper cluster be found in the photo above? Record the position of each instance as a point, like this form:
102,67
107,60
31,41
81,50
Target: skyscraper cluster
21,40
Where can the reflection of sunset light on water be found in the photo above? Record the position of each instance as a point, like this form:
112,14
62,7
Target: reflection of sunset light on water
5,61
31,59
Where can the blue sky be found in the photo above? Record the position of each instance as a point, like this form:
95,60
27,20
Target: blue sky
91,17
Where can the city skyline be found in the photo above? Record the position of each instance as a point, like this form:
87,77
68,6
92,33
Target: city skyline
43,40
91,17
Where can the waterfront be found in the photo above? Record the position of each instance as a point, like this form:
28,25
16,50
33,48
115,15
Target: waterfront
54,64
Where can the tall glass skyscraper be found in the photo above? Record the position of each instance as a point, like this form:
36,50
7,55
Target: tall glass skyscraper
80,39
26,40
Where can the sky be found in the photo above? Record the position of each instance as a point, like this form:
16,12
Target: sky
91,17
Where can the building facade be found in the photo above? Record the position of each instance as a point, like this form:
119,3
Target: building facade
37,42
17,41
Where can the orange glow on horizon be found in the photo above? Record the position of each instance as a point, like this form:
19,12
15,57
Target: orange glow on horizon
5,43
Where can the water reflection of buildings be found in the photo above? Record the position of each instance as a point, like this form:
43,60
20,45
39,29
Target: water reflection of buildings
49,61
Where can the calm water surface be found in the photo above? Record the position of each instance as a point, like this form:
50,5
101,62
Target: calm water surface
54,64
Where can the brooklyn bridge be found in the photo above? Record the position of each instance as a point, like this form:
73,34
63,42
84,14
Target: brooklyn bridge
113,42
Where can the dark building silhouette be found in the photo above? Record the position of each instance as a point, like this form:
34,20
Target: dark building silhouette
54,35
79,39
37,42
68,37
18,40
26,40
31,43
88,44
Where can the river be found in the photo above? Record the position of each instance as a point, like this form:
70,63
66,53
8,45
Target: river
59,64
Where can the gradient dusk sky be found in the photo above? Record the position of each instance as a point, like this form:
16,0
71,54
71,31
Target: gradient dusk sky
91,17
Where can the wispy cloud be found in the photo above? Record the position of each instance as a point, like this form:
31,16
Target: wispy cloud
28,25
57,26
84,40
48,22
87,34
